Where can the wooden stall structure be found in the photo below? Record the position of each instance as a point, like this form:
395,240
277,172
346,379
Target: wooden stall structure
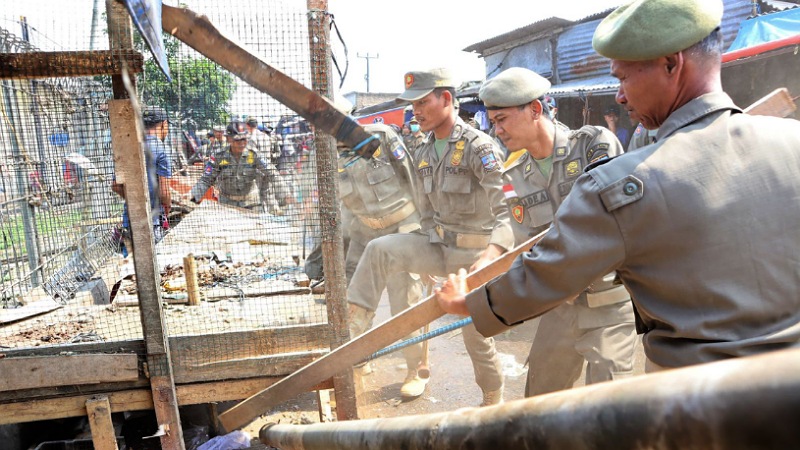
160,358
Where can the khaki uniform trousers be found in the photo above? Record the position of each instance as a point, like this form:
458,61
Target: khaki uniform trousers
604,337
414,253
403,290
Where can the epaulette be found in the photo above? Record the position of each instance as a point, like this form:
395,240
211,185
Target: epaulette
588,130
597,163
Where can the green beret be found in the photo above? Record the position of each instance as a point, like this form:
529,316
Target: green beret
513,87
421,83
648,29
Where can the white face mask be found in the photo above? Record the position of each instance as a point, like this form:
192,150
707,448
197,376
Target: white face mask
413,127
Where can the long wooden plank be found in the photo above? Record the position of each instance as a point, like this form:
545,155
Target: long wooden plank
136,399
50,371
68,64
358,349
229,368
30,310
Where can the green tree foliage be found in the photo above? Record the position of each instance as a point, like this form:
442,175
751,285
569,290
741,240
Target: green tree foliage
200,89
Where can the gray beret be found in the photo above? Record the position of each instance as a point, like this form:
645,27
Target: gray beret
419,84
648,29
513,87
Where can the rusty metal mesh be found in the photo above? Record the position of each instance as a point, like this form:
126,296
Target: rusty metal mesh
64,246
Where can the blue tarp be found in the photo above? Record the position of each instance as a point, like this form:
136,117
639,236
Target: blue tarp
767,28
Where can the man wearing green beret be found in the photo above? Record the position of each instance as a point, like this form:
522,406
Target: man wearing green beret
701,226
598,326
464,221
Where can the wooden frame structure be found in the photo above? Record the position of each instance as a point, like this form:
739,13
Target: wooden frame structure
158,372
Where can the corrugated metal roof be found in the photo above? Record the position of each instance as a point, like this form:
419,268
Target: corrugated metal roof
603,83
528,31
576,57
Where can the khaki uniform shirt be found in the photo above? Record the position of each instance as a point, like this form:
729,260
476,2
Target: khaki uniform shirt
702,227
533,199
461,195
235,179
379,191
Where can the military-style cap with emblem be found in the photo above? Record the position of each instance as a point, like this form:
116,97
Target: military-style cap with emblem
154,114
237,131
252,121
648,29
413,120
513,87
419,84
218,128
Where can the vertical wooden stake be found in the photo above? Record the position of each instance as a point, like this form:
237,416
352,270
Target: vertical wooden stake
190,273
98,409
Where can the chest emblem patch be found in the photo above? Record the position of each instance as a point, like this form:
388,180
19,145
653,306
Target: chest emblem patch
377,153
518,212
561,151
250,158
423,164
573,168
223,163
458,154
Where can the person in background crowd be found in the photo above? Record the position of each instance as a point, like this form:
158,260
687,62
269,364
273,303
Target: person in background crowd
266,149
416,138
158,169
708,253
553,107
611,117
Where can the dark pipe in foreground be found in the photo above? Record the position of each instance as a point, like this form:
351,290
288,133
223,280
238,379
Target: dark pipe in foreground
744,403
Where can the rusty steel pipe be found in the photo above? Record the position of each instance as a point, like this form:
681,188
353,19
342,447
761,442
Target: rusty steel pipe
744,403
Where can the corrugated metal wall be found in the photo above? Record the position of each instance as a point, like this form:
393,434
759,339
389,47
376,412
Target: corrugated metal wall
577,60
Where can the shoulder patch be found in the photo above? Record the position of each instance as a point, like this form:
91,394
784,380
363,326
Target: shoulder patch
486,154
622,192
597,152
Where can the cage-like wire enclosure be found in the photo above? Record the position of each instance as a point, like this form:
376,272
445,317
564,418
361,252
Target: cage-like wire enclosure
231,229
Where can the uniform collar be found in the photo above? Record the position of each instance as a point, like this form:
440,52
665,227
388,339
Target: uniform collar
696,109
458,130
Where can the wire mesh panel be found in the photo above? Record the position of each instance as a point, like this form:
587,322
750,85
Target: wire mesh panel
235,201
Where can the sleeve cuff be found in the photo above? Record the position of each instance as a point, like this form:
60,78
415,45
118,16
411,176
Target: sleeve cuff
485,320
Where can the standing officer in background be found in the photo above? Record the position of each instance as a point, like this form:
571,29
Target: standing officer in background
379,193
416,138
158,170
262,144
641,137
464,218
237,171
216,142
701,226
598,325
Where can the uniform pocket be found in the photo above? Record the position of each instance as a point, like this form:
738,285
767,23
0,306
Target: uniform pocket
459,194
383,182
